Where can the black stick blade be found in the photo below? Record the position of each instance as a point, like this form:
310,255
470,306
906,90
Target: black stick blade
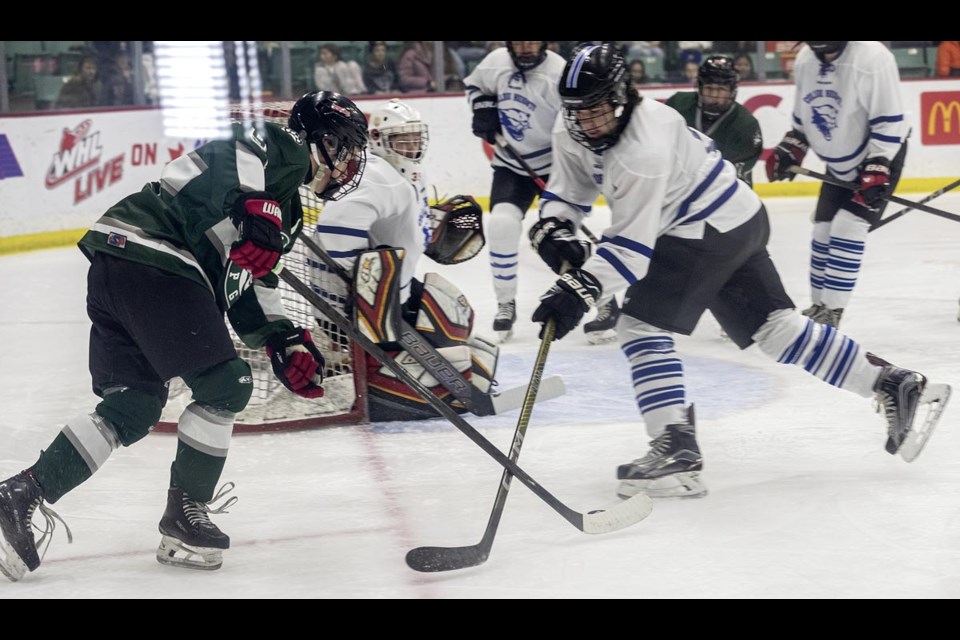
433,559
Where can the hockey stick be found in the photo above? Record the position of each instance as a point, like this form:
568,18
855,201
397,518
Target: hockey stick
427,356
616,517
890,198
503,144
936,194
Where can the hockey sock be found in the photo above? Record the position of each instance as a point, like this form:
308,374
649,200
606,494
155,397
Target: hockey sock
203,440
848,235
819,253
657,373
503,236
820,349
81,448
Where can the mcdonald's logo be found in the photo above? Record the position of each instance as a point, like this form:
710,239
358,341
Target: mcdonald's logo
940,117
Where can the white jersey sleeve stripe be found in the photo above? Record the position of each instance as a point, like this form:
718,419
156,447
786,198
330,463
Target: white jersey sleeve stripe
629,245
341,231
879,119
885,138
547,195
615,262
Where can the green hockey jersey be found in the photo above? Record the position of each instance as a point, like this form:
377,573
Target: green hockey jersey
736,132
182,224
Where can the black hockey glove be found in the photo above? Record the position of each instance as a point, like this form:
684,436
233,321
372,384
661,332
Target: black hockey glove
556,242
791,151
297,362
567,300
874,181
486,118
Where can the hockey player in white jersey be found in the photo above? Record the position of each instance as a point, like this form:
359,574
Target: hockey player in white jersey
390,208
685,236
849,111
513,91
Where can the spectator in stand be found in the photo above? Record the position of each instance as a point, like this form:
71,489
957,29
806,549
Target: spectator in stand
948,59
690,71
333,74
118,81
454,70
639,48
379,73
744,66
415,67
84,88
638,73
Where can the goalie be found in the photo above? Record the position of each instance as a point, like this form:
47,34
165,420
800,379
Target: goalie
377,234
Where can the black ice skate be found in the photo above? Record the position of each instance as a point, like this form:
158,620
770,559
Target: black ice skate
900,394
828,316
503,321
671,469
190,539
603,328
20,496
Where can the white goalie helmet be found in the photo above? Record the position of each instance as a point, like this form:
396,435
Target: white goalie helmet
398,135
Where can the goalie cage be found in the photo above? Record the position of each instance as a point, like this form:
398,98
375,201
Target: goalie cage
272,407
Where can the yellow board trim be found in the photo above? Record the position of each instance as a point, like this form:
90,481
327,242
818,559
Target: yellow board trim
59,239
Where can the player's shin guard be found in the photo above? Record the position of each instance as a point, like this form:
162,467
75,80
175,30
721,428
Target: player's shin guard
821,350
657,373
848,235
503,237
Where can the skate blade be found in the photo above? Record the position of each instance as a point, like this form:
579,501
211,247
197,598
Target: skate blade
174,553
504,336
934,398
10,563
601,337
676,485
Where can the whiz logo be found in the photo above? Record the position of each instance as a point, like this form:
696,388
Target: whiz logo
79,149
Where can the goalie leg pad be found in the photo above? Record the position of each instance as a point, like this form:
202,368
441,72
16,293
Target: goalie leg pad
391,399
376,293
445,317
484,355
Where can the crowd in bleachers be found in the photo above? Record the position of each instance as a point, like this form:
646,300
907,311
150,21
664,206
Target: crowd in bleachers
81,74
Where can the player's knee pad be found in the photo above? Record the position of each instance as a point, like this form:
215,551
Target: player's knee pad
850,226
821,232
130,412
504,228
444,315
783,334
629,329
226,386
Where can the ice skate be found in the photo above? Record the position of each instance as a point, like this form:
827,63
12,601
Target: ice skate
20,497
603,328
671,469
503,321
901,393
813,310
829,317
190,539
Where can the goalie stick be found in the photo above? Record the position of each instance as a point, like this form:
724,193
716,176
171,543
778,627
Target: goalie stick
451,558
475,400
614,518
890,198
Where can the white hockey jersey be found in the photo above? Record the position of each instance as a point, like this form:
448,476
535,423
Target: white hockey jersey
660,178
385,209
527,102
850,109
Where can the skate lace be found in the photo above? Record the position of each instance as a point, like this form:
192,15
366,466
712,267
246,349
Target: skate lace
50,518
658,446
604,312
505,310
197,512
883,403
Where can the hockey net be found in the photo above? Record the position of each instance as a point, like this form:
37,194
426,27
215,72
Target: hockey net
272,407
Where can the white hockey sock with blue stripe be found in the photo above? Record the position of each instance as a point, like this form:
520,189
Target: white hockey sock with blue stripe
820,349
503,238
657,373
819,253
848,235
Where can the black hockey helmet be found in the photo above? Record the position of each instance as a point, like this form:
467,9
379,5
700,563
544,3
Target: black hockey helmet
824,47
336,132
716,70
596,75
525,63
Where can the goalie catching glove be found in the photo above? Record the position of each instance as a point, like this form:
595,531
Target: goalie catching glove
567,300
556,242
296,362
258,219
458,231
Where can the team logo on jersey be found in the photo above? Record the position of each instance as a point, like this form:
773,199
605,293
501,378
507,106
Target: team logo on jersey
235,282
824,107
516,122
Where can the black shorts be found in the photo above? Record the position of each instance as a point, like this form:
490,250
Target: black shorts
150,326
513,188
730,274
834,198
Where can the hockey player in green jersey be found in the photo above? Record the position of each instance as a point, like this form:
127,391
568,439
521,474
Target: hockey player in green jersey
166,263
712,110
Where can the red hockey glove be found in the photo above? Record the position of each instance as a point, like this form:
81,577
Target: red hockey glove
258,219
296,362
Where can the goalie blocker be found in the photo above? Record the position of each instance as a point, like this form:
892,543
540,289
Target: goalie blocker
439,312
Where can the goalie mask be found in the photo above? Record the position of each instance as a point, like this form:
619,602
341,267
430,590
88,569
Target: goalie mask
458,231
527,54
398,135
336,134
596,95
716,86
